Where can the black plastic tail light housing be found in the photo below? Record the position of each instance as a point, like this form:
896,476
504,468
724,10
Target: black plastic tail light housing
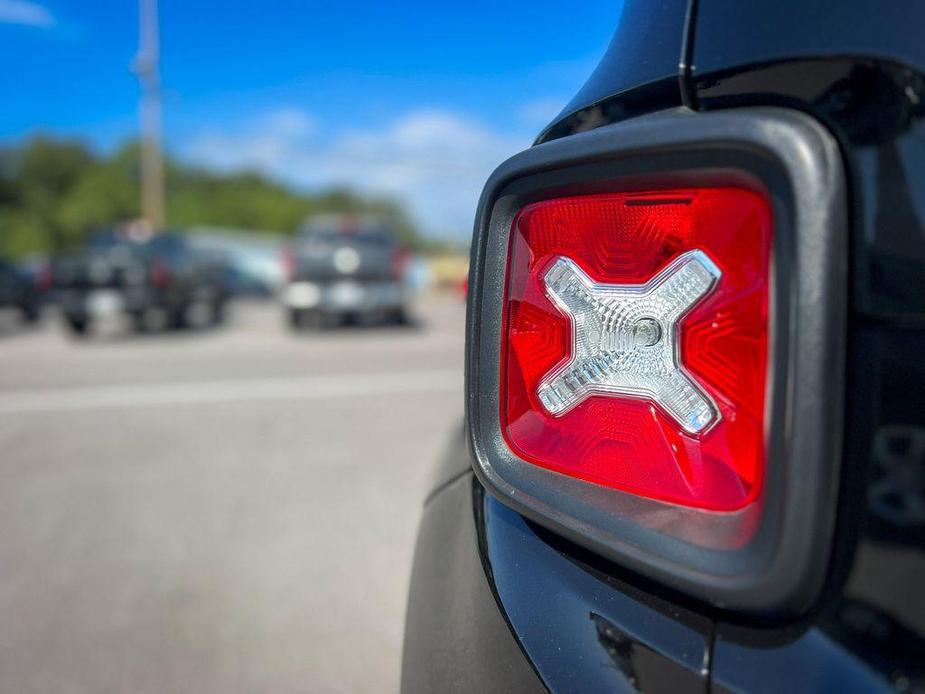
769,558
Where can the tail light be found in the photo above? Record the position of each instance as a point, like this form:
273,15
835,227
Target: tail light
635,342
160,273
401,257
655,348
44,277
288,262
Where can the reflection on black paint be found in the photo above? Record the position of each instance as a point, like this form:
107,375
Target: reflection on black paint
876,608
640,65
870,632
548,596
618,647
896,493
876,108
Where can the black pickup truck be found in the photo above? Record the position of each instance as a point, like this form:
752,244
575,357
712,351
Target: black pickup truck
158,282
344,267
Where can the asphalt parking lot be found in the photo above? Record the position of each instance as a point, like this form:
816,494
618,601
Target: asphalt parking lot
229,511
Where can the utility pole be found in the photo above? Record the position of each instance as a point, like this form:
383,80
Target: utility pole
152,163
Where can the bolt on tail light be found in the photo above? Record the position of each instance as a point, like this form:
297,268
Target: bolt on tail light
635,342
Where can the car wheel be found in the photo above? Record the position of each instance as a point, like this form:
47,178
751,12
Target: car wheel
152,320
218,313
198,315
399,316
31,313
295,318
78,327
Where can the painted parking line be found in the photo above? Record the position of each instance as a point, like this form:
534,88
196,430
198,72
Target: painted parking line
239,390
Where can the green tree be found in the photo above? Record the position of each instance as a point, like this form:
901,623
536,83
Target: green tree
53,193
35,179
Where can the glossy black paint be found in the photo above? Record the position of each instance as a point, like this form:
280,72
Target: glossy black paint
806,664
859,68
860,71
584,629
876,110
730,33
638,74
456,637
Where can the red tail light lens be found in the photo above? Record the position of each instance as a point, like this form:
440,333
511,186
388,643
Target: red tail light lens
44,277
401,258
635,342
287,263
160,273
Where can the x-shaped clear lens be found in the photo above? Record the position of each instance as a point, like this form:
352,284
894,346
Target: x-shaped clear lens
625,339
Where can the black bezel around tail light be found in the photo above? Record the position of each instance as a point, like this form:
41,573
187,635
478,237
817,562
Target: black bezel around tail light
768,559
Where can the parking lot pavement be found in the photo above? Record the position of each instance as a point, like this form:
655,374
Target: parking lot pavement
231,511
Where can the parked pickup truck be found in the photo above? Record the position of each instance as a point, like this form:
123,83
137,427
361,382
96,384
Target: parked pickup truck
341,268
158,282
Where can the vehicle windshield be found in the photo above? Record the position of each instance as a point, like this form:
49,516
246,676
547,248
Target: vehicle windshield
348,228
379,237
111,238
104,241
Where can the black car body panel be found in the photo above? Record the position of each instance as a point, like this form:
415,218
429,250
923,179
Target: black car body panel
594,632
456,637
640,72
858,69
730,33
19,290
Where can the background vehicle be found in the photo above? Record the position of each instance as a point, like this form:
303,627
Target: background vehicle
528,578
159,282
345,267
21,290
251,258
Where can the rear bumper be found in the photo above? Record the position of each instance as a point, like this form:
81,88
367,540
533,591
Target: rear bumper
456,637
497,604
345,296
104,301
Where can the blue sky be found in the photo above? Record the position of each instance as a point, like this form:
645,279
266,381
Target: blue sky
419,100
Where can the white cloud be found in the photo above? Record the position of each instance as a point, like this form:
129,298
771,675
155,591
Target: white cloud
435,161
290,122
26,13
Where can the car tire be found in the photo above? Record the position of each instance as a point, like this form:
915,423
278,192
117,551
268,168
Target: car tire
219,313
399,316
295,319
78,327
31,313
198,315
152,320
